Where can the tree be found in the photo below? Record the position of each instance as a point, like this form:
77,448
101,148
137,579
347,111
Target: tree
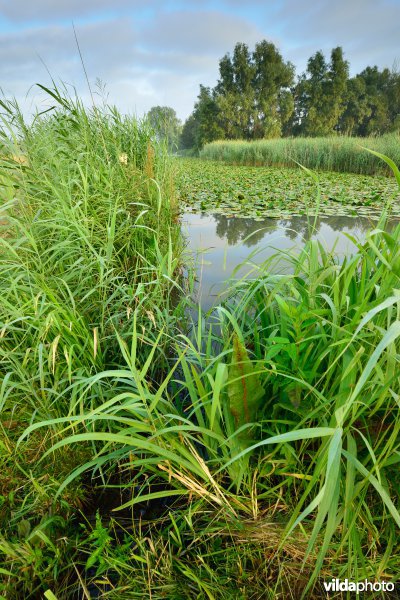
357,108
189,131
208,117
377,87
203,125
272,81
372,103
235,95
253,92
256,97
321,94
394,99
251,100
168,127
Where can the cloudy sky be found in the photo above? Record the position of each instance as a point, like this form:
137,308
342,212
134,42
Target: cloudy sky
158,52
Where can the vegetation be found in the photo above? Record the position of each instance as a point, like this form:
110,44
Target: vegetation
166,125
345,155
242,191
249,455
89,245
321,95
252,98
257,97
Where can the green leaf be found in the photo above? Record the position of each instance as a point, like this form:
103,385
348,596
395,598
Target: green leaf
388,161
381,491
390,336
290,436
49,595
245,390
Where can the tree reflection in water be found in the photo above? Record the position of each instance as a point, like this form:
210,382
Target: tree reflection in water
250,242
250,232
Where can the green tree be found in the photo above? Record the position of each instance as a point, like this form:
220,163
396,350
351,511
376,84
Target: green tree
338,76
203,125
253,92
166,124
310,92
251,100
208,115
356,109
394,99
234,93
372,103
272,81
189,132
321,94
255,97
377,91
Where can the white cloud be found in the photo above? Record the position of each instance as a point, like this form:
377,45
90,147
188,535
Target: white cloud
151,53
201,32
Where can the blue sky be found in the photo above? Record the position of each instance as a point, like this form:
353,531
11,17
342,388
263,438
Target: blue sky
158,52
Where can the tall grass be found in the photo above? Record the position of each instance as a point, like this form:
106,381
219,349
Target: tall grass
267,436
343,154
89,236
290,399
89,245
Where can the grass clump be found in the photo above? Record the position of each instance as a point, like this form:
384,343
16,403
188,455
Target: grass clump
343,154
250,456
280,419
88,239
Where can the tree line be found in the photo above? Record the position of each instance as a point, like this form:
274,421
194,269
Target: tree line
258,96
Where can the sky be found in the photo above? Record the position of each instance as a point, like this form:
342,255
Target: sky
140,54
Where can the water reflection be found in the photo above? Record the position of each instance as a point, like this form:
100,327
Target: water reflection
222,243
236,230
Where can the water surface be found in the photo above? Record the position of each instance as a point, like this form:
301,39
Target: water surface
222,243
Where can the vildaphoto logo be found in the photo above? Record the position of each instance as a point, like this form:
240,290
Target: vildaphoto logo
345,585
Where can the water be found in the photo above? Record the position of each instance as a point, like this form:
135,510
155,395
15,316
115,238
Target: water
221,244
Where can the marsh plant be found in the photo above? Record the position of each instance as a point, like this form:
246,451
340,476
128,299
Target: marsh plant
251,453
89,238
344,154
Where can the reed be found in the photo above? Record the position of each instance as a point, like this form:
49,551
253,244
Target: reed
289,398
265,437
340,153
89,241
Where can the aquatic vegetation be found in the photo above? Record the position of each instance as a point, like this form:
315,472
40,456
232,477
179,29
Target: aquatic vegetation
318,350
247,454
260,192
88,242
336,153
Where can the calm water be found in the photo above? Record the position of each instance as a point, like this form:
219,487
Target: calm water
221,244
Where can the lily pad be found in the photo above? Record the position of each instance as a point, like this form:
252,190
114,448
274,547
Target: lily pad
241,191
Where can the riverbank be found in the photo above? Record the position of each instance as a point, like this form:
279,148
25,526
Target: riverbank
251,455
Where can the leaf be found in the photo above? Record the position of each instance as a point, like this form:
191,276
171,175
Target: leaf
379,488
390,336
245,390
289,436
49,595
388,161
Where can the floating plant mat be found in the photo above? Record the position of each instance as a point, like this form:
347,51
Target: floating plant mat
259,192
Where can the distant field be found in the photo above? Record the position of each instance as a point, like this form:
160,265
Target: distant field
213,187
343,154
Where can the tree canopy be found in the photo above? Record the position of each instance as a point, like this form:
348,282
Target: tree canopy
167,126
256,96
